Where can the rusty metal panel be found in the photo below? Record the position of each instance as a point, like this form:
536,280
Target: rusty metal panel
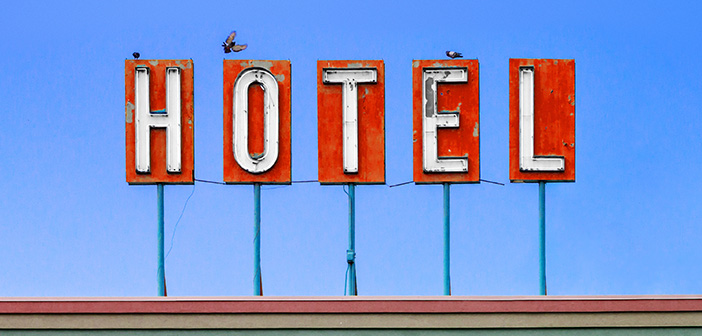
157,88
370,123
461,99
280,172
553,118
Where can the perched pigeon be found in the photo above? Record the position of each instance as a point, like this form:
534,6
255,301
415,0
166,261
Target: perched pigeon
136,55
229,44
454,54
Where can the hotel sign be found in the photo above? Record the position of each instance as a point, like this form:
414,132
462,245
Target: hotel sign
159,121
350,121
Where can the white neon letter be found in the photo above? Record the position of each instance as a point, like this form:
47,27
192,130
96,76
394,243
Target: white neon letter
527,160
433,120
259,163
350,78
147,119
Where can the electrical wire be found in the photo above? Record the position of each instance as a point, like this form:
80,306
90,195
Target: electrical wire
178,221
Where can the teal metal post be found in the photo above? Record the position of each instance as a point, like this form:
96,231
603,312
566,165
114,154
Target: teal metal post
161,263
447,239
351,252
258,285
542,237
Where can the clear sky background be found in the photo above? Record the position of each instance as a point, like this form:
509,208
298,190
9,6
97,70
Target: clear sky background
70,225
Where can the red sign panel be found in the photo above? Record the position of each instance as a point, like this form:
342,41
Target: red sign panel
257,120
446,118
541,120
351,121
159,121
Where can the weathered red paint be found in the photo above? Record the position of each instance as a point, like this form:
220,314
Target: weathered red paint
157,98
371,127
281,172
439,305
464,140
554,117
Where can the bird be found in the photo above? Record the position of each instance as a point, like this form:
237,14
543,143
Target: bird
454,54
229,44
136,55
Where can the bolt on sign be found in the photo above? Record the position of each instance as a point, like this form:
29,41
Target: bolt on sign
257,117
159,121
542,120
351,122
446,119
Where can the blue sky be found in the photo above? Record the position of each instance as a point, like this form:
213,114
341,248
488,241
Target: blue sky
630,224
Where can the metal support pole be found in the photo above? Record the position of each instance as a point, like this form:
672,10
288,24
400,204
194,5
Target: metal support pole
542,237
258,284
447,239
161,263
351,252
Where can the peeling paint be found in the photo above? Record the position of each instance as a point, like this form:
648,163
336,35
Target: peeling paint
555,61
260,64
356,65
129,113
190,121
187,65
429,94
154,62
415,64
280,78
457,110
476,130
438,64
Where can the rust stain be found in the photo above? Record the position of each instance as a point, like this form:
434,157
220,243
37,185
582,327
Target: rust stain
554,119
450,97
281,172
157,93
371,126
